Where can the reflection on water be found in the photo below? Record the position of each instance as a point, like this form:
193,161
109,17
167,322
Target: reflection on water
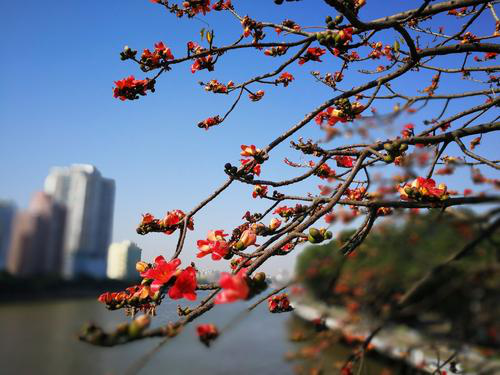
40,338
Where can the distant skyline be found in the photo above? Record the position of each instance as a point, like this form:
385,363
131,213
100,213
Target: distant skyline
57,109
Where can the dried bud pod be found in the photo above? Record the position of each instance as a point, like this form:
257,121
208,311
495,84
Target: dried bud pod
315,233
260,277
311,239
388,147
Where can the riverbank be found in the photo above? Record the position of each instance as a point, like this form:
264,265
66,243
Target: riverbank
13,289
399,342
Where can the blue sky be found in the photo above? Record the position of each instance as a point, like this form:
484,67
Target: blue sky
56,107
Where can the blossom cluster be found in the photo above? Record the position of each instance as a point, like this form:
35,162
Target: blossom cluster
130,88
312,54
379,50
251,165
285,78
152,60
207,333
157,279
240,286
325,172
209,122
345,111
423,189
218,88
252,27
216,245
337,40
279,303
287,212
255,97
200,63
276,51
168,225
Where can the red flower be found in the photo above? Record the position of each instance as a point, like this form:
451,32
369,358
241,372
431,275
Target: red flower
203,63
423,189
147,218
279,303
161,272
235,287
274,224
346,34
218,88
251,167
276,51
173,220
331,115
197,6
130,88
249,150
185,285
285,79
209,122
248,238
257,96
407,130
259,191
490,55
215,244
325,172
312,54
221,5
344,161
284,211
207,333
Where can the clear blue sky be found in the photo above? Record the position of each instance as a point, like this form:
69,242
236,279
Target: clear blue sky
59,61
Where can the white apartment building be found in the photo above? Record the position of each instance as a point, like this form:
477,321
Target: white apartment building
122,257
89,200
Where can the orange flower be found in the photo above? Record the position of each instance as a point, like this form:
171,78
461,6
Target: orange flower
249,150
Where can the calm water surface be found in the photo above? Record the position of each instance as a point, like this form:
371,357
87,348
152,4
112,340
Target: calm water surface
40,338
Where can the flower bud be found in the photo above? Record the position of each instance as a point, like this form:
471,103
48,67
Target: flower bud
403,147
260,277
388,158
122,328
248,238
388,146
315,233
311,239
328,235
274,224
143,321
141,266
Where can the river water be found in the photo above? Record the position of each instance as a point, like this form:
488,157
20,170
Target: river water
41,338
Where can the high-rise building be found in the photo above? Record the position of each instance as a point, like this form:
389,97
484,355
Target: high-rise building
122,257
37,238
89,199
7,212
